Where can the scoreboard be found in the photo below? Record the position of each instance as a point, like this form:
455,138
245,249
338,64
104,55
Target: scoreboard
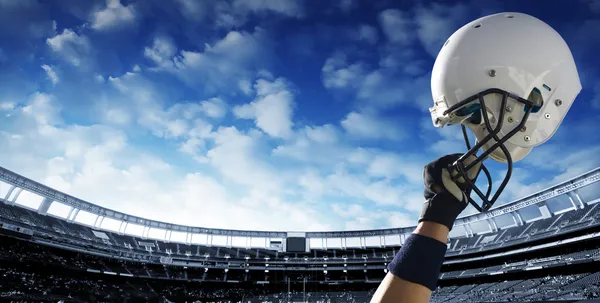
296,243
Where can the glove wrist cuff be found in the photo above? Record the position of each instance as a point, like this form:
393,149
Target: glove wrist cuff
443,208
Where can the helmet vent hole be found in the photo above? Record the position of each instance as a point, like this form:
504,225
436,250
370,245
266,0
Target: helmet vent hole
510,16
477,26
447,41
536,98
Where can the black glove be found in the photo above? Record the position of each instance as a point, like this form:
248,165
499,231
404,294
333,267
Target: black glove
445,199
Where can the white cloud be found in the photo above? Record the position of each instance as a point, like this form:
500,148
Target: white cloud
337,74
245,86
290,8
391,166
115,15
437,22
161,52
314,144
192,9
7,106
214,108
358,216
367,33
51,73
271,110
236,13
348,5
222,65
70,46
369,126
145,185
397,26
381,88
40,107
147,104
116,115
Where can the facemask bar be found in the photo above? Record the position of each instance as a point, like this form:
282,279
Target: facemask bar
459,165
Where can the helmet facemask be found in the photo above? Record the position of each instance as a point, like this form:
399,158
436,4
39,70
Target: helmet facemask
473,111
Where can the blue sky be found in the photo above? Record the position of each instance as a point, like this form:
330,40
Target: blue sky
257,114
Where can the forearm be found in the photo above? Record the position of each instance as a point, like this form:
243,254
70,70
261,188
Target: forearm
398,290
433,230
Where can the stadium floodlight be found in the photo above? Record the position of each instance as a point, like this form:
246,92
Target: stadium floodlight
266,270
205,269
324,265
267,265
247,270
267,258
345,271
226,269
247,257
325,272
364,270
345,257
325,258
286,259
345,264
305,258
206,255
385,270
227,256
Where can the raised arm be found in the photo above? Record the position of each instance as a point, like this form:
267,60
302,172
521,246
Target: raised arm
414,272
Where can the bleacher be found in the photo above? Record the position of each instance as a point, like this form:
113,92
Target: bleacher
536,230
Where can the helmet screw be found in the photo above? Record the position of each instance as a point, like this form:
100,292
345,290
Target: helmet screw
524,128
527,138
547,115
510,120
558,102
508,108
492,73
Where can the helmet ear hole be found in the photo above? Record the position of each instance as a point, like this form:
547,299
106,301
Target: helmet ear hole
535,96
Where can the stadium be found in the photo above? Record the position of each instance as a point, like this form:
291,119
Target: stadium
279,151
496,256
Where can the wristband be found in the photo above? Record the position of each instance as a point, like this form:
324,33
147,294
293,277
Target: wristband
419,261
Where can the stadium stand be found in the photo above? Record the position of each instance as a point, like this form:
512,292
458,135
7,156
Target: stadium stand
44,257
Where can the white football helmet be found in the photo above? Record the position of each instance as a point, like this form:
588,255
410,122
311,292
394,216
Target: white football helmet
511,79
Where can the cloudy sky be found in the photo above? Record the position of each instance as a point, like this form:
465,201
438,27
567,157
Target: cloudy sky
256,114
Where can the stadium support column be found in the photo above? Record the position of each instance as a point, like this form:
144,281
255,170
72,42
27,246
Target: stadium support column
101,220
468,231
16,196
545,211
44,206
517,218
575,199
74,216
10,191
492,225
121,228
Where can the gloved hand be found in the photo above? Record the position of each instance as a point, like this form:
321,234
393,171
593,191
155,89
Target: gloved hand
445,199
